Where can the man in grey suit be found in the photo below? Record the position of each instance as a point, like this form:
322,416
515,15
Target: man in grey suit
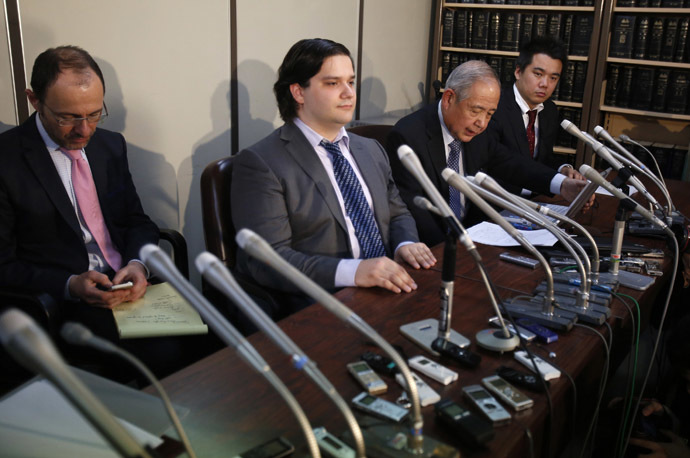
323,198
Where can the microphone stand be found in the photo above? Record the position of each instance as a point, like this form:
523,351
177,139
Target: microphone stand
548,315
377,438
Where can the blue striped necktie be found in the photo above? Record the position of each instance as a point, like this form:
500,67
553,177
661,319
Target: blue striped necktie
455,197
356,205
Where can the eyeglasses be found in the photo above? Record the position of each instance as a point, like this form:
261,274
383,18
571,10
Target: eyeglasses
72,121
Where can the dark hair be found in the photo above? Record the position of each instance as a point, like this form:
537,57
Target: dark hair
51,62
551,46
302,61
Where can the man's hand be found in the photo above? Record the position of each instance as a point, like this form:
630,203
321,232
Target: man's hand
385,273
86,286
677,448
571,173
570,188
417,255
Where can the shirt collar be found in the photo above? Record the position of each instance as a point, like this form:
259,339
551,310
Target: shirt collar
447,137
524,107
315,138
49,142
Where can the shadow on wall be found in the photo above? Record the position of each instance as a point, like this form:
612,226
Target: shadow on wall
217,144
153,176
4,127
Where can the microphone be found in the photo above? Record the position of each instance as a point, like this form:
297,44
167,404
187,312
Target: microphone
424,204
547,316
594,176
603,152
31,347
580,306
602,133
77,334
215,272
162,265
257,247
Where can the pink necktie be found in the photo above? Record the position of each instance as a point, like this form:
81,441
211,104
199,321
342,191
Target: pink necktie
87,198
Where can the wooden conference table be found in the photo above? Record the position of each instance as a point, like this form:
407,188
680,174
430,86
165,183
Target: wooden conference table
232,408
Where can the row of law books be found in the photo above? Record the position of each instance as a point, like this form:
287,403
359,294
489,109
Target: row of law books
673,160
528,2
653,3
507,31
650,37
571,87
648,88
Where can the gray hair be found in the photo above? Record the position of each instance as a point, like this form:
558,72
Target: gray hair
463,77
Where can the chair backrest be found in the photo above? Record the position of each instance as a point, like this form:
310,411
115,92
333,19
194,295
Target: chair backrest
376,131
219,232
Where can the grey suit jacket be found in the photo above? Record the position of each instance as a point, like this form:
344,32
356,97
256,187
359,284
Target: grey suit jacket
281,191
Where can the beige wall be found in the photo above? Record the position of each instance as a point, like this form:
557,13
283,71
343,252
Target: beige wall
7,111
167,72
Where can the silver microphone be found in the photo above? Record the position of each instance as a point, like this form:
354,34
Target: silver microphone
215,272
424,204
31,347
162,265
594,176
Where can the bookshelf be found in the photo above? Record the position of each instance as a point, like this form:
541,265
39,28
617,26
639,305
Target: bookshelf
509,25
647,44
640,122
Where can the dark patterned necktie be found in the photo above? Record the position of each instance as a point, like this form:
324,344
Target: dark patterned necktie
356,205
455,197
532,114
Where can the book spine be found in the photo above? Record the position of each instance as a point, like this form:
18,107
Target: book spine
660,90
612,84
540,23
526,26
480,29
656,39
622,37
669,41
625,87
582,34
678,92
460,32
682,41
445,66
642,88
494,31
641,37
448,28
565,92
579,81
568,24
554,25
510,37
507,70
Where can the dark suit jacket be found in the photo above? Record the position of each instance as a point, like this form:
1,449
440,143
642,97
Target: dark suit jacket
421,130
509,128
41,242
281,191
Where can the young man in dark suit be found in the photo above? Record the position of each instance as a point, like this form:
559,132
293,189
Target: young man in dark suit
526,120
322,197
459,121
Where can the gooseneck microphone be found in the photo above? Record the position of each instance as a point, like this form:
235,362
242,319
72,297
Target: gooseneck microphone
548,315
78,334
215,272
257,247
31,347
604,153
162,265
595,177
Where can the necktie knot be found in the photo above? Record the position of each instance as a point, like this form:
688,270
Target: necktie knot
332,148
72,153
532,115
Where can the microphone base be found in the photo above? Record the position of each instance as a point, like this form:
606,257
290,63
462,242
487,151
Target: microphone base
494,340
608,279
392,441
560,320
424,332
593,314
568,297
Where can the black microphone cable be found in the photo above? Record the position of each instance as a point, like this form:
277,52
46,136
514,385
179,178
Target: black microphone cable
78,334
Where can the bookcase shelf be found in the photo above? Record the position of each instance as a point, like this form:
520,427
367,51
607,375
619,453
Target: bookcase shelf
538,8
564,150
651,63
669,11
649,114
563,103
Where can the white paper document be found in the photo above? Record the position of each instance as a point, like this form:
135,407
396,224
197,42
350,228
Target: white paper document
37,421
492,234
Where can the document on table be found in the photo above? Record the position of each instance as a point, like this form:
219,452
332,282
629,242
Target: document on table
492,234
161,312
37,421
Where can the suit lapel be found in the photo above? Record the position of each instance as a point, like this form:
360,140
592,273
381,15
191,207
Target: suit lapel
435,149
305,156
42,165
517,124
